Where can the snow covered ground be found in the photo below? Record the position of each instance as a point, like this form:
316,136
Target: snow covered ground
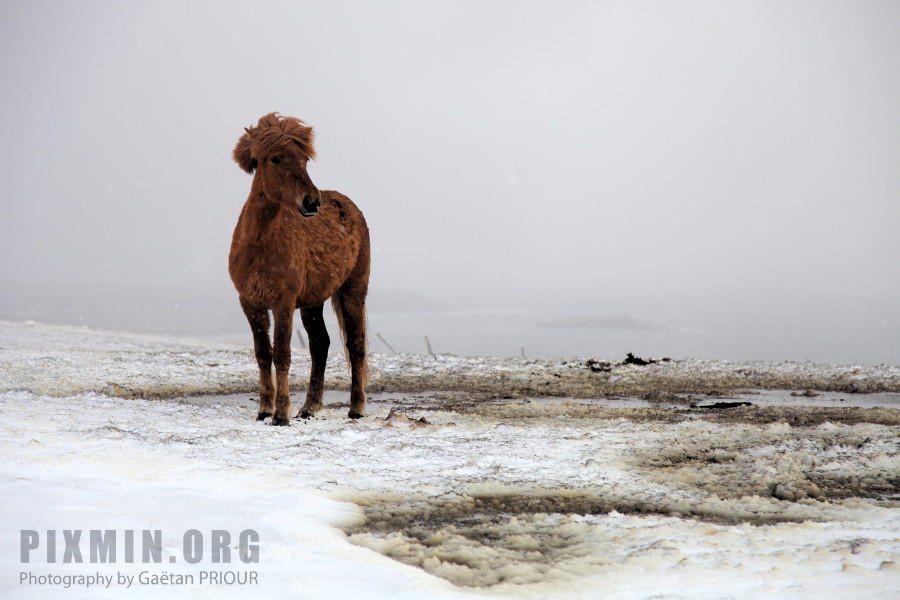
526,479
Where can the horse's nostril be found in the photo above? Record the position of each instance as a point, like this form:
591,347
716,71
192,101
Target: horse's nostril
308,207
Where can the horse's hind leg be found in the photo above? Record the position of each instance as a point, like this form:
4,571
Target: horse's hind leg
314,323
259,324
352,302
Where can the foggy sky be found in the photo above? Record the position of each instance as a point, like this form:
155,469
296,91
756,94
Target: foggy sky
565,148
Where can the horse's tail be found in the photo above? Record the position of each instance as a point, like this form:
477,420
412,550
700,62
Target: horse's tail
338,308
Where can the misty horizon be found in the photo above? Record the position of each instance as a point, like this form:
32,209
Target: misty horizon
687,166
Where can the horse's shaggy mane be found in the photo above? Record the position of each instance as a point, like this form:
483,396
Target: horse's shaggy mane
270,135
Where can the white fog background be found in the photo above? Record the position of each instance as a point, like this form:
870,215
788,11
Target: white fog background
709,179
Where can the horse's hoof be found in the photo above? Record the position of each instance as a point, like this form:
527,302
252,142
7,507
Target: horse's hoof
281,422
355,415
263,415
305,415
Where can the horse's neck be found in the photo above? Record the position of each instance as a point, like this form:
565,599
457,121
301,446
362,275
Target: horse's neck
266,221
263,213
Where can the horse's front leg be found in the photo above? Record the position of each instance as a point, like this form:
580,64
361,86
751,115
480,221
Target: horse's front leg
258,318
319,341
281,354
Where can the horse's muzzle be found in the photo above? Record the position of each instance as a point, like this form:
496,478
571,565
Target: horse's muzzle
308,207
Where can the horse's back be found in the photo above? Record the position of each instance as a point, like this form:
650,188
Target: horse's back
340,248
343,224
347,213
355,223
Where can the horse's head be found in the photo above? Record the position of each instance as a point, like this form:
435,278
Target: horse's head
277,149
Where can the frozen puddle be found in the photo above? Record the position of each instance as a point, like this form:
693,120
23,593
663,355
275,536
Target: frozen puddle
553,536
436,400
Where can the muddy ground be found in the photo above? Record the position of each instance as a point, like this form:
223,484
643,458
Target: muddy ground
750,460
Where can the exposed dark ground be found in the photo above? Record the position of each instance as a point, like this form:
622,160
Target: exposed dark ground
747,459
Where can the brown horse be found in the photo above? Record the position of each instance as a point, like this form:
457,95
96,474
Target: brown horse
294,247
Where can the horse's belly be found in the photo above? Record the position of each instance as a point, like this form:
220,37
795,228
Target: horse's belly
269,286
321,282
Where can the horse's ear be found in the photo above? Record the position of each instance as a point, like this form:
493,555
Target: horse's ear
241,153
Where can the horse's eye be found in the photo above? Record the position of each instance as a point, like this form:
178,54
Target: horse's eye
275,160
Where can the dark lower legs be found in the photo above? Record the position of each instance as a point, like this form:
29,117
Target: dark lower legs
351,315
281,356
259,325
319,341
274,399
353,310
274,396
